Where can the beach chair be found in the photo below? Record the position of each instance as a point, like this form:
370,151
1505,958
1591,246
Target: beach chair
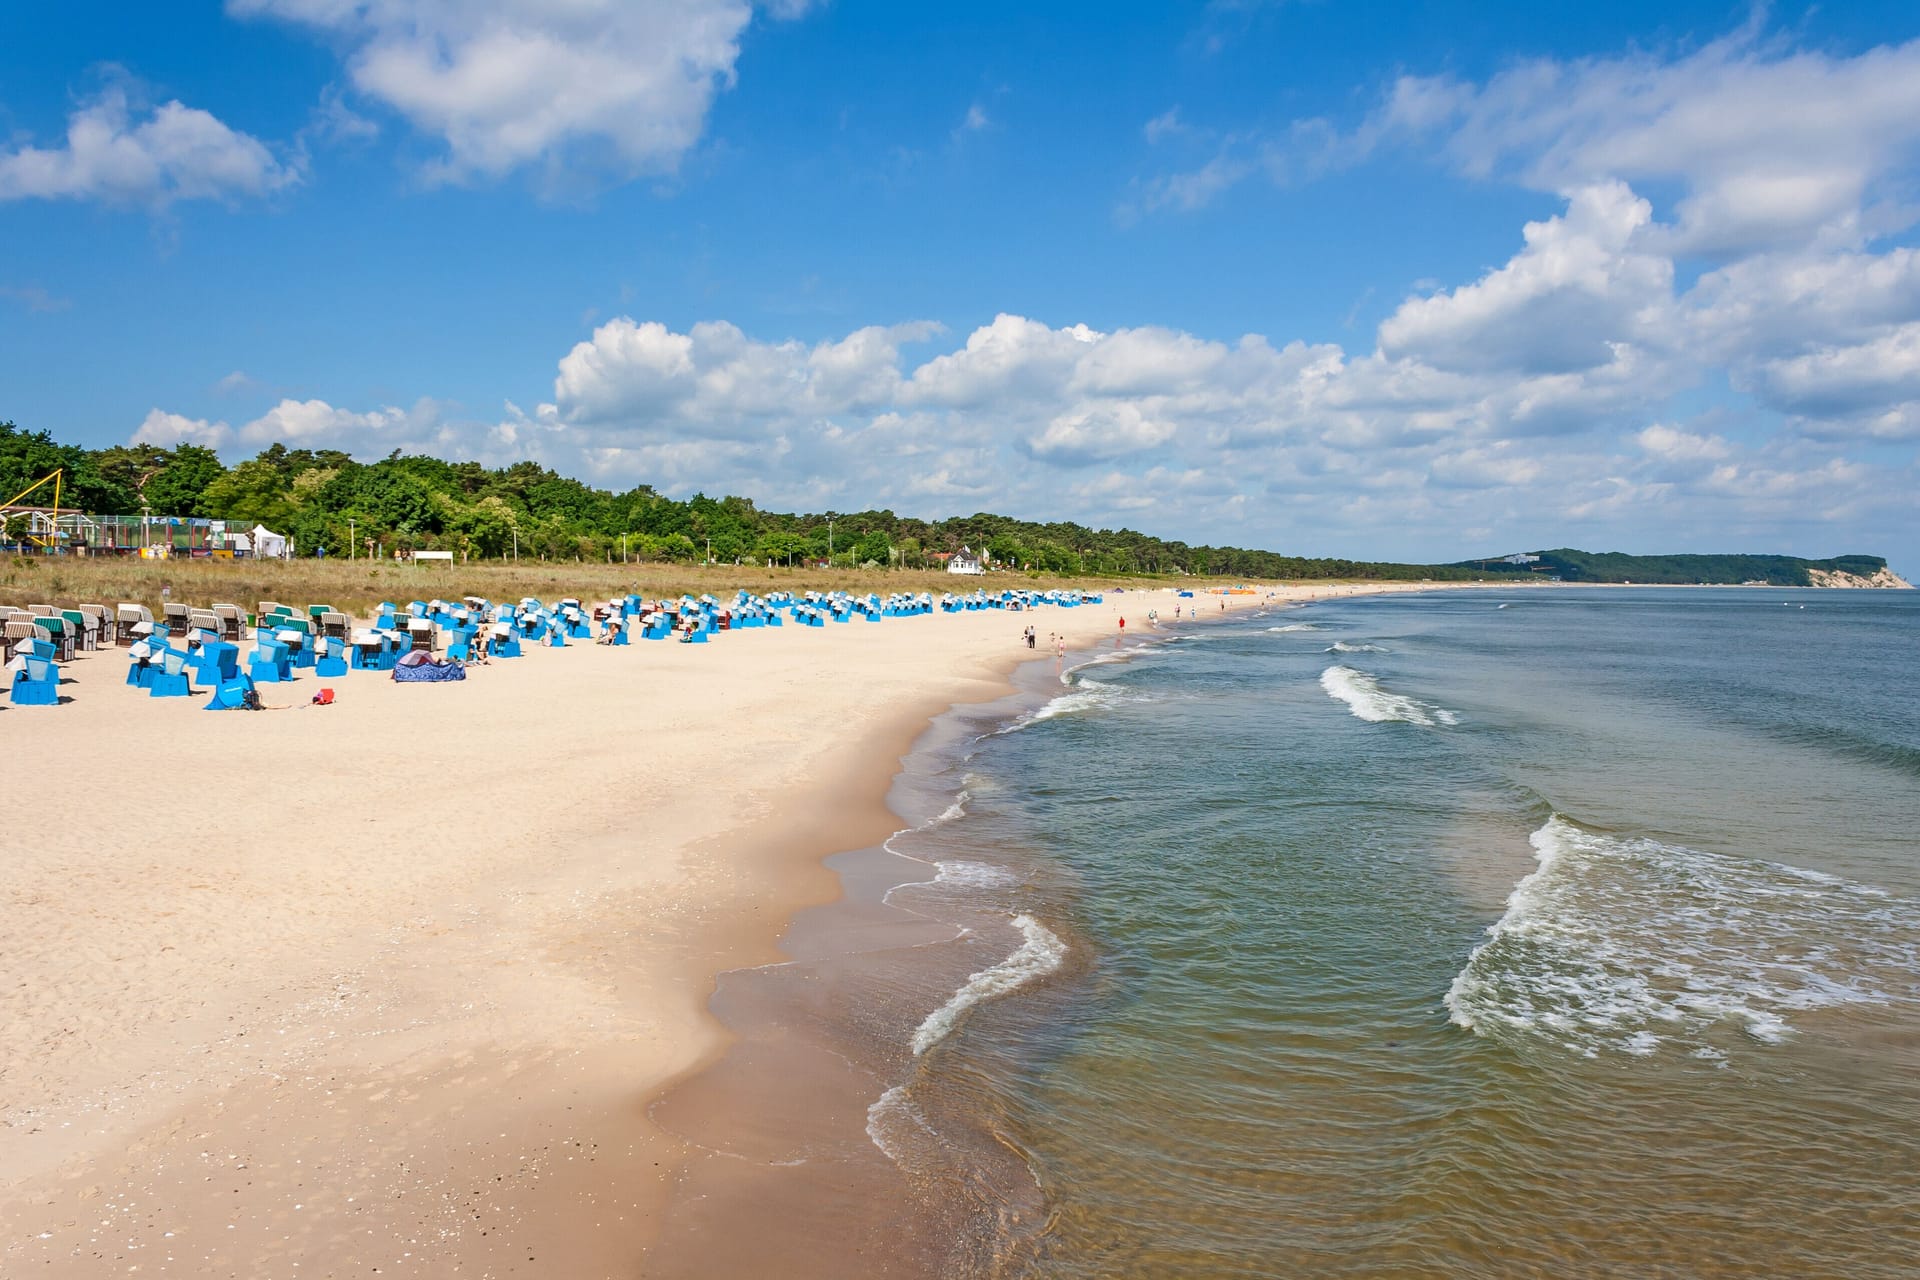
170,679
109,625
178,617
502,640
370,649
335,626
84,628
329,657
55,629
460,641
36,681
420,634
204,622
143,659
271,663
216,662
22,630
231,696
295,634
232,620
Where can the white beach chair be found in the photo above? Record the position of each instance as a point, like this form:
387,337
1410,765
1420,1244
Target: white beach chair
129,616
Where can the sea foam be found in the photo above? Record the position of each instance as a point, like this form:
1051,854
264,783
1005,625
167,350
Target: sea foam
1038,955
1630,945
1087,695
1295,626
1367,700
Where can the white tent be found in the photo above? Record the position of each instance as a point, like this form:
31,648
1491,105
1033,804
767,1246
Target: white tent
268,543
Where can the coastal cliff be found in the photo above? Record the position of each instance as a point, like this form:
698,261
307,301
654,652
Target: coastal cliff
1883,579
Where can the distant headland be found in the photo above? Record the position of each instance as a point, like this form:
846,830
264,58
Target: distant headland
1568,565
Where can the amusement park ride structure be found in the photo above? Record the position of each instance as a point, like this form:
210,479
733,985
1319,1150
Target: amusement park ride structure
43,523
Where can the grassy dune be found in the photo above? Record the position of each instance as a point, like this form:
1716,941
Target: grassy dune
357,586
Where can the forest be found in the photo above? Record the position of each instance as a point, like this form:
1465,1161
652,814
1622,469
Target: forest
324,497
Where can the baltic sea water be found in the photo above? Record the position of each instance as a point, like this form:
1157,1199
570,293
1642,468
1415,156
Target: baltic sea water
1534,932
1548,932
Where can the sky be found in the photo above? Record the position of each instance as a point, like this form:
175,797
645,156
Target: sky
1409,281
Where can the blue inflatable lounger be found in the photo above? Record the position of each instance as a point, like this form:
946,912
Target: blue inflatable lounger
420,667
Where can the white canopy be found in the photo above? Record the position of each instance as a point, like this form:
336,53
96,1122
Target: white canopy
268,543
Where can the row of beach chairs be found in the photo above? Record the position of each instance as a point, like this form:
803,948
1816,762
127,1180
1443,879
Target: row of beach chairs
189,646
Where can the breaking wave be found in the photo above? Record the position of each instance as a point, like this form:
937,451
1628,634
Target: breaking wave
1341,646
1631,945
1038,955
1367,700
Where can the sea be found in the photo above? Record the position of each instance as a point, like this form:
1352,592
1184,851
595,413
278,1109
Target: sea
1547,931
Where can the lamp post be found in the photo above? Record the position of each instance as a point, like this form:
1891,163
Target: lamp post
350,538
146,523
829,540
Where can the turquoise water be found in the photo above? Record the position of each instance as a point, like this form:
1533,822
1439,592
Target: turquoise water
1549,932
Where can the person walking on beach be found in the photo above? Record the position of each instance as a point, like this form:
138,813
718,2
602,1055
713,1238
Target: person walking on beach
1060,647
1030,635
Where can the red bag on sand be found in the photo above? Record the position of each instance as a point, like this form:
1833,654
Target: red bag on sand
324,698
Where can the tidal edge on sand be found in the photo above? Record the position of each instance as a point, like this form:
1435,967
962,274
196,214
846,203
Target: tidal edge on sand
390,985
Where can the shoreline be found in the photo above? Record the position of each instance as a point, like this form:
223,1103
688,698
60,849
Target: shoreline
766,1109
386,998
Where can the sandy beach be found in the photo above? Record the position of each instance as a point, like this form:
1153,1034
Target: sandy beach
388,986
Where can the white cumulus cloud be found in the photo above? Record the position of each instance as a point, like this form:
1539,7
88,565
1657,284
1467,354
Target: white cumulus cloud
1562,305
118,154
169,429
608,87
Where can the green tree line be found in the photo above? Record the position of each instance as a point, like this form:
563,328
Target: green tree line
320,496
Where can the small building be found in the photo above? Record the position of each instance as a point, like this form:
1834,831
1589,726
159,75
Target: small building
964,561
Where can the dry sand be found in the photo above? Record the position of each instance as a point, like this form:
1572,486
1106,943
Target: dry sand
386,987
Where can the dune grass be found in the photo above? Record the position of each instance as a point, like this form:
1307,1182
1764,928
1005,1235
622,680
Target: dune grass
356,586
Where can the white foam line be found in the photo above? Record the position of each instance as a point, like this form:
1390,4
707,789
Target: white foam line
958,809
1368,701
1037,956
1630,944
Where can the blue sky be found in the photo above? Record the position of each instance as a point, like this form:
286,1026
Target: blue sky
1416,281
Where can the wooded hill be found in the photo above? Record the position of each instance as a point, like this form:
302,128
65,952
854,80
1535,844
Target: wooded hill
1570,565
